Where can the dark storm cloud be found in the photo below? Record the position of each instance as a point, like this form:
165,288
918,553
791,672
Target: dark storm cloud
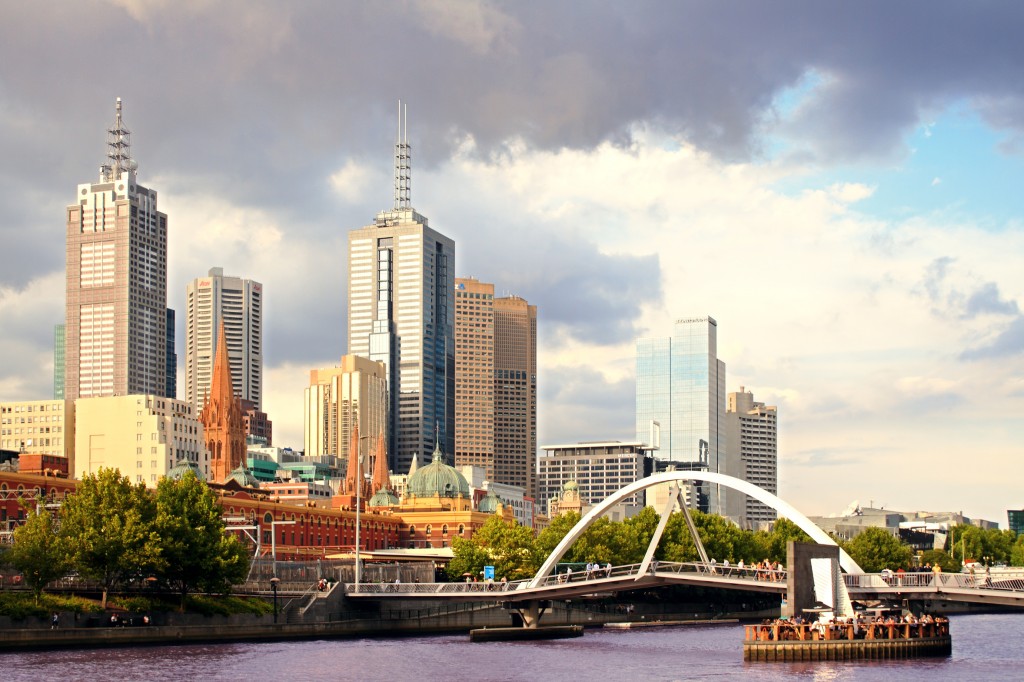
258,102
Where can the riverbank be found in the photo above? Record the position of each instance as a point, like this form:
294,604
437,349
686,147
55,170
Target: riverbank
394,623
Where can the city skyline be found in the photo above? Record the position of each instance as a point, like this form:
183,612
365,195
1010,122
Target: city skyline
842,210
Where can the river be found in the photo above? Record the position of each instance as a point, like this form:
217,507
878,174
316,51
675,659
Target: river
985,647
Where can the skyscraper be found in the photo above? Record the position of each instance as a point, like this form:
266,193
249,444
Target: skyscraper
752,456
172,358
58,362
401,312
515,393
496,384
680,383
338,398
116,306
238,303
474,375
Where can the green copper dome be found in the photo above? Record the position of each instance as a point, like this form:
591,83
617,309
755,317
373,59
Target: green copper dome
182,467
437,478
383,498
489,504
571,485
243,477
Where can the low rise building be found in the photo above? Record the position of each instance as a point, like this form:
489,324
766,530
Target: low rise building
142,436
39,427
599,469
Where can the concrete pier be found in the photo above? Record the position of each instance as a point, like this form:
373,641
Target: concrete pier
857,650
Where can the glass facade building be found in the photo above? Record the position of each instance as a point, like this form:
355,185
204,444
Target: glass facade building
680,385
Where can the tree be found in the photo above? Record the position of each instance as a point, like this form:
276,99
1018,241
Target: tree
876,549
554,533
106,529
782,532
467,557
194,552
941,557
1017,552
37,551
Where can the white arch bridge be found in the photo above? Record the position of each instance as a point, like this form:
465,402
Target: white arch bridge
548,585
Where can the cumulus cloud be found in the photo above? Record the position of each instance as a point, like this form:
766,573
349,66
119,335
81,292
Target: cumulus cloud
619,167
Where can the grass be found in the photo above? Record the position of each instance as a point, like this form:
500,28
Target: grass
20,605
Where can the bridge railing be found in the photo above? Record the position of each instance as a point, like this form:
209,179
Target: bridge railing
1009,581
596,577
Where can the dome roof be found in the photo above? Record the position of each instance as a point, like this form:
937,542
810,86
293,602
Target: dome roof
383,498
490,503
437,478
570,485
182,467
243,477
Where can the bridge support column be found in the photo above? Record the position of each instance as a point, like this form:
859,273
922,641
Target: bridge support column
531,612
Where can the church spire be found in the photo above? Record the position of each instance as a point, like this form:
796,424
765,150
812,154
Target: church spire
381,479
220,384
223,424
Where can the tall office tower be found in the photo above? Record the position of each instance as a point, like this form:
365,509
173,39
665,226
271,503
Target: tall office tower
238,303
401,312
680,384
116,307
751,455
354,393
58,362
515,393
474,375
172,358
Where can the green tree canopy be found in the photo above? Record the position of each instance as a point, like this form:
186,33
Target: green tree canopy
37,550
106,529
195,553
876,549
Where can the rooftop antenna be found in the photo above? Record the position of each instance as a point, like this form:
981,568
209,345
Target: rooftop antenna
403,161
119,146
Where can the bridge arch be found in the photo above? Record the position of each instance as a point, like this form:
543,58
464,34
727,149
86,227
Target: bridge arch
781,506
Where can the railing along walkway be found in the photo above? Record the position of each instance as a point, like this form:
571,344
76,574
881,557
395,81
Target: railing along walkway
781,631
617,577
1009,583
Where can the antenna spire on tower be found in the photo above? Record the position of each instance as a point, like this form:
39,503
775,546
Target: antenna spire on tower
119,149
403,161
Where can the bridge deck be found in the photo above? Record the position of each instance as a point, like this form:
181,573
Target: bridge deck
563,586
1005,589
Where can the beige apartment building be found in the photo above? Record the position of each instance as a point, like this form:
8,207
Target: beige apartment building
496,384
39,427
116,305
355,392
751,455
142,436
474,375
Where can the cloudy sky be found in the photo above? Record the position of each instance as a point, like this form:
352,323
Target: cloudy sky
838,184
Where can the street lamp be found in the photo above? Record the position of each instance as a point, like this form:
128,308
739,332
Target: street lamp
359,490
273,586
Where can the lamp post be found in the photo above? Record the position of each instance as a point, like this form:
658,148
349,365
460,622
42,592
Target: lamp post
359,490
273,586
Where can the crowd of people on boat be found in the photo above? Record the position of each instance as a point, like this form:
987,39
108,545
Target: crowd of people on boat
880,626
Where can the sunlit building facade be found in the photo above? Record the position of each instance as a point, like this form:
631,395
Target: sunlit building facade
116,282
680,386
